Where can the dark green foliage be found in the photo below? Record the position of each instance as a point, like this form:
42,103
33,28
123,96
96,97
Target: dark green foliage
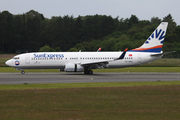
46,48
155,20
73,50
133,20
31,31
171,23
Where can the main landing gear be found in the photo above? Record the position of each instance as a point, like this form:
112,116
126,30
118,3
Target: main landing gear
88,71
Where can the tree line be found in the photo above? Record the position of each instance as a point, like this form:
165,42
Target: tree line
31,32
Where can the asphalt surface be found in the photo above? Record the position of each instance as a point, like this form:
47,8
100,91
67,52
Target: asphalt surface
31,78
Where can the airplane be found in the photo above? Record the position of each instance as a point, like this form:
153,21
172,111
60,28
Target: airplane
86,61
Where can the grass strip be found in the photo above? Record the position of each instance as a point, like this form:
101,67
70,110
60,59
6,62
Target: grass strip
98,103
85,85
128,69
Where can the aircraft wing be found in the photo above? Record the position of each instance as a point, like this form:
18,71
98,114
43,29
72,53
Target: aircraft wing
101,63
95,62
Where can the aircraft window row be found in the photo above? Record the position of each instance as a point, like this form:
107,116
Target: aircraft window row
106,58
99,58
93,58
128,58
73,58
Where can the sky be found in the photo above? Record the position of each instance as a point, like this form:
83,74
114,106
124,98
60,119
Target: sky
143,9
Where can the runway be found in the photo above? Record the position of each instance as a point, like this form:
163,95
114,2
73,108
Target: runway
32,78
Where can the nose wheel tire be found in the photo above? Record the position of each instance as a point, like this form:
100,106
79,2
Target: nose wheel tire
22,72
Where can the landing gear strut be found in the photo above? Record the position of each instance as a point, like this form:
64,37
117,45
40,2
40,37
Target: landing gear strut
88,71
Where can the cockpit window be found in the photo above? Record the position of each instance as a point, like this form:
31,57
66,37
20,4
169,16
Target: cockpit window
15,58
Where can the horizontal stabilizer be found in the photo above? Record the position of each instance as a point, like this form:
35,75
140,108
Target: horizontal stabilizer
164,53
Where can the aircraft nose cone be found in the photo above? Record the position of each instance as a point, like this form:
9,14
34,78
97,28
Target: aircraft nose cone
8,63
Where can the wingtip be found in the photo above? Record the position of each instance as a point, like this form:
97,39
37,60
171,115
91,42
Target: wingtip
126,49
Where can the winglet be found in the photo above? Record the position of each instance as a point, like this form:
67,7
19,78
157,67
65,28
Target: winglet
122,55
126,49
99,49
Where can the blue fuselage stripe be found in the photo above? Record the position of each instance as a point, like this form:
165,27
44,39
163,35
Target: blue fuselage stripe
149,50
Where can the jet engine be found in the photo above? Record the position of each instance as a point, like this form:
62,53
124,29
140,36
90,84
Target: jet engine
73,68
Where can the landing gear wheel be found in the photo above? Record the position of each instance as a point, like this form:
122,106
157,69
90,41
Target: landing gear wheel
90,72
87,71
22,72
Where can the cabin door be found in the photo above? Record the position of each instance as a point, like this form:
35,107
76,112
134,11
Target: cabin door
27,59
139,58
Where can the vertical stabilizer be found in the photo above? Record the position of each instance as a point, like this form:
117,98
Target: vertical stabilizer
155,42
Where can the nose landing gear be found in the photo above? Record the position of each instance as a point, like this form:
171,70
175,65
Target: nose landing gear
22,72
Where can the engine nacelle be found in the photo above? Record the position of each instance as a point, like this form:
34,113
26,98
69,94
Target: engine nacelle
73,68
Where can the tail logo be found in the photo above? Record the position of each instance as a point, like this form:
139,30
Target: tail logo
155,42
157,35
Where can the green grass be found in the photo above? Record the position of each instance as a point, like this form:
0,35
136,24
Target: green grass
2,61
128,69
13,70
4,58
92,103
84,85
98,101
164,62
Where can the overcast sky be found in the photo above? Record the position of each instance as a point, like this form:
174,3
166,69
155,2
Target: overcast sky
143,9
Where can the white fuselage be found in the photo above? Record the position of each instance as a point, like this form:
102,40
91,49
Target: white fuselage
58,60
